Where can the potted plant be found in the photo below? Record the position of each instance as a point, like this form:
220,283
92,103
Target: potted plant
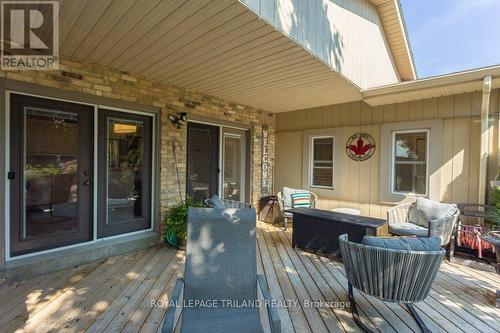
176,221
493,220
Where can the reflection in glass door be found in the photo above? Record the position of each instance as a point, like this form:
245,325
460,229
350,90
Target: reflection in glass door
50,173
234,164
124,173
202,160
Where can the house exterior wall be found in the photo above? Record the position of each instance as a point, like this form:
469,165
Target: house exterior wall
103,82
347,35
361,181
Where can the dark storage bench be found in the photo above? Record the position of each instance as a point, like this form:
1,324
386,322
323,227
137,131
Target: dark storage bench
319,230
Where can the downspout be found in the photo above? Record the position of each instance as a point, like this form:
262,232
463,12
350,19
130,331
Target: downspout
483,162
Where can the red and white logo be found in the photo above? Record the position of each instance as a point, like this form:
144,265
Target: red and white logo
360,147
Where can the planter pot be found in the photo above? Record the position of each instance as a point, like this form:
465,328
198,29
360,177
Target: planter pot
181,244
172,239
493,237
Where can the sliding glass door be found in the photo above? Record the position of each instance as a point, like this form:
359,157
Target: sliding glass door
51,149
51,174
233,164
125,173
202,160
217,162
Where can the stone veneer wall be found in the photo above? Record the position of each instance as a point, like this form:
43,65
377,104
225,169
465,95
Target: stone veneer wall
104,82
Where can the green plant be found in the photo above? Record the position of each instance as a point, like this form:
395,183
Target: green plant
492,213
34,171
176,219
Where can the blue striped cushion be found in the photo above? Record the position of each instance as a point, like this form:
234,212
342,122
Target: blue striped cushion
302,199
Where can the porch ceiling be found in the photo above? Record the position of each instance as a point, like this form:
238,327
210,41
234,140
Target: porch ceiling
217,47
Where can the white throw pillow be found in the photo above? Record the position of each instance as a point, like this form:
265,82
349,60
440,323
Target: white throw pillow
425,210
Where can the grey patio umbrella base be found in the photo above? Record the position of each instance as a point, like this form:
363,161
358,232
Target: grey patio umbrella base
357,319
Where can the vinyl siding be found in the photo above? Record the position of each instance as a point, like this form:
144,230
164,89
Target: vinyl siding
346,34
360,182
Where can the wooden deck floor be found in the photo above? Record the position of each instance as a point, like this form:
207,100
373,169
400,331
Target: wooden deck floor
115,295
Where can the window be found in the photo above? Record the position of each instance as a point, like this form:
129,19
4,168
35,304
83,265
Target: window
321,154
322,162
409,170
409,164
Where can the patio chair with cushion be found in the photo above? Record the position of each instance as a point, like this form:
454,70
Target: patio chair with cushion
425,218
221,275
286,201
398,270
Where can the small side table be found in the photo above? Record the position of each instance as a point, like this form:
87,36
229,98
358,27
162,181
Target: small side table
269,210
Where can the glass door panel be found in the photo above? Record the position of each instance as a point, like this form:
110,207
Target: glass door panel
50,173
202,160
125,173
234,163
125,162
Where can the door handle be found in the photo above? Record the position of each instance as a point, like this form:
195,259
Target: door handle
86,183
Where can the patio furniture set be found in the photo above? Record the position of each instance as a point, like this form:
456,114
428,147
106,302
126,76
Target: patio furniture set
392,269
422,218
220,285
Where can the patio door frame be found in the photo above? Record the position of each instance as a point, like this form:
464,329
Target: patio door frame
248,149
240,135
104,229
18,183
8,87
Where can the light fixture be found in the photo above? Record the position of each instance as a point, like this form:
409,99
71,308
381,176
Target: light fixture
179,120
124,128
183,116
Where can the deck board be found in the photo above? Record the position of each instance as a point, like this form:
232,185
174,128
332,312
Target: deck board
115,295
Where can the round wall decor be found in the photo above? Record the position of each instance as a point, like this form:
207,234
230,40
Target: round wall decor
360,147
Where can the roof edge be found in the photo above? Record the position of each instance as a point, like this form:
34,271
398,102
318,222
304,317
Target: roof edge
426,88
404,61
406,37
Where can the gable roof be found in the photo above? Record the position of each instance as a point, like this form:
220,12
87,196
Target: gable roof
391,15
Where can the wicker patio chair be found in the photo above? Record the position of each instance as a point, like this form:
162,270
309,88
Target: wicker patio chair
221,268
285,202
398,219
398,276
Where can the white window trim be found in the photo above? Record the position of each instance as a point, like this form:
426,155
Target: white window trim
311,161
393,162
434,159
307,165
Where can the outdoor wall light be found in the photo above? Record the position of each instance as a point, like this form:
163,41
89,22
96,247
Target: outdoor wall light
179,120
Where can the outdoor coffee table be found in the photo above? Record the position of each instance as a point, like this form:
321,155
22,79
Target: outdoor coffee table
319,230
